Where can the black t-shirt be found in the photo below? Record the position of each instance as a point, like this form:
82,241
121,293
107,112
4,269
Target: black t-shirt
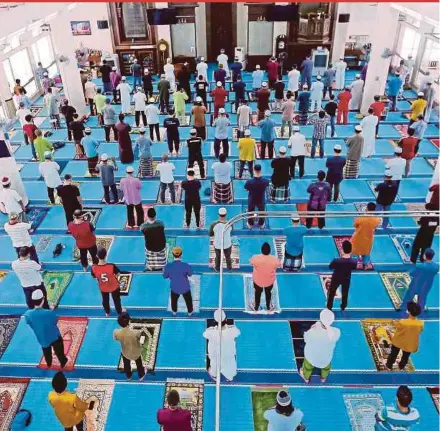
191,190
69,194
154,234
147,81
342,268
279,90
77,128
386,192
68,112
194,146
172,125
105,72
239,88
331,108
201,87
281,171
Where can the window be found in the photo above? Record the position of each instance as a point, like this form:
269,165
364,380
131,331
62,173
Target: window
410,42
430,60
43,51
31,88
53,70
21,66
260,38
9,74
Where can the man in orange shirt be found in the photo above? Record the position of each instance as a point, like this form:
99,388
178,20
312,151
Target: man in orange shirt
378,107
344,99
410,147
219,97
264,275
198,113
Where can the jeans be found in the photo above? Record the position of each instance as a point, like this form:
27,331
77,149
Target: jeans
116,301
335,187
385,219
189,207
199,159
393,356
137,116
127,367
393,101
28,295
250,164
79,427
154,128
321,147
332,125
34,153
307,370
107,129
227,253
58,348
51,195
137,82
139,215
258,292
114,193
163,187
283,125
345,286
93,251
260,207
188,301
107,87
269,149
32,250
225,145
300,160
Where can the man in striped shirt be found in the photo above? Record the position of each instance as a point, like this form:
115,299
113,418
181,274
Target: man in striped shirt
319,122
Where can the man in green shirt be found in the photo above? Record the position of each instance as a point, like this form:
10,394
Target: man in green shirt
99,100
179,98
41,145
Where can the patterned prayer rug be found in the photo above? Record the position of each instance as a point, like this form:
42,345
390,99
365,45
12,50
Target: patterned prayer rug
403,244
339,239
277,131
325,280
258,151
263,398
297,330
434,392
101,242
362,409
14,147
235,134
415,207
12,391
171,243
235,255
8,325
101,393
402,129
43,243
378,333
196,169
275,109
73,330
35,110
246,173
435,142
249,297
191,398
79,157
195,293
150,332
361,207
3,274
374,184
35,215
193,218
178,191
432,161
396,284
124,283
91,214
56,283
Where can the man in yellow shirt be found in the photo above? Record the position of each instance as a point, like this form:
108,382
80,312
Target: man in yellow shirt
99,100
41,145
246,147
69,409
406,337
417,107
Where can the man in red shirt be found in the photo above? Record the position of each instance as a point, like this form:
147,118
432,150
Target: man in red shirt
82,231
263,95
174,418
378,107
410,147
272,67
219,97
29,130
108,283
344,98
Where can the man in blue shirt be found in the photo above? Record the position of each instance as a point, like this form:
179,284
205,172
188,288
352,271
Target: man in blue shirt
335,171
178,273
419,127
306,71
319,196
422,279
239,88
257,78
90,146
257,195
267,127
236,67
294,245
394,86
44,324
221,134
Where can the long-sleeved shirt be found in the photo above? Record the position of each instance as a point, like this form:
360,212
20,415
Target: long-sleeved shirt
41,146
355,145
131,188
406,336
178,273
335,169
267,127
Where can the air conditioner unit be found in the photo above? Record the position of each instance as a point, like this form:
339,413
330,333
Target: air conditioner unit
240,53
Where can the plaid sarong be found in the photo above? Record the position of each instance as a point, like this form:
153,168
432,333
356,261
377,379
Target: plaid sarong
351,169
155,260
145,167
222,193
91,164
279,194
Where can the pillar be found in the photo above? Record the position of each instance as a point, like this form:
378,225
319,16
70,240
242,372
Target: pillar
424,29
340,33
201,46
65,44
279,28
242,25
6,94
164,31
378,67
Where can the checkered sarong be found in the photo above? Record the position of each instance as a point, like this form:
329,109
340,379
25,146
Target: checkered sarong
145,167
222,193
351,169
156,260
279,194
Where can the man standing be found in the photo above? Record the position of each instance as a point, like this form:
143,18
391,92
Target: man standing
199,121
19,232
319,196
131,190
89,93
355,145
236,67
136,73
140,103
257,78
218,231
155,241
272,67
52,104
90,146
152,113
294,247
267,127
356,88
410,148
178,273
115,79
201,86
319,122
10,200
239,88
77,128
386,195
293,80
417,107
394,86
49,170
340,67
222,60
297,143
179,99
425,235
68,112
335,171
202,69
222,189
165,169
42,145
279,93
221,125
107,171
109,119
147,83
279,190
244,117
174,417
316,92
246,149
194,144
164,94
369,127
396,166
40,70
172,124
330,109
256,187
220,75
429,94
342,268
125,91
287,109
329,79
306,71
100,101
44,324
70,197
169,74
378,108
419,127
263,96
219,96
344,100
192,198
105,70
29,131
304,105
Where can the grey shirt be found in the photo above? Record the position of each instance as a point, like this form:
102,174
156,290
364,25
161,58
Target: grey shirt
143,147
107,174
109,115
355,144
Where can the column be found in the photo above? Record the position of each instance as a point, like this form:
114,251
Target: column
65,45
424,29
340,33
381,39
164,31
279,29
242,25
202,49
6,95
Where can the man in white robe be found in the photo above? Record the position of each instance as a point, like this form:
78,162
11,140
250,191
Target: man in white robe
202,69
369,124
169,74
222,58
293,84
228,364
125,91
410,65
340,68
429,93
316,93
357,88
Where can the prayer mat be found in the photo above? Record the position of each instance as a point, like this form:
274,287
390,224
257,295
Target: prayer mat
362,409
415,207
274,108
14,148
35,110
339,239
120,195
403,244
101,242
171,243
56,283
402,129
436,142
258,151
178,191
150,331
191,393
325,280
434,392
251,96
309,149
73,330
246,173
212,152
43,243
396,284
155,171
235,255
278,194
254,118
35,215
249,297
91,214
12,391
374,184
196,169
378,333
124,283
432,161
8,325
263,398
235,136
101,393
297,330
361,207
222,193
277,131
193,218
146,167
3,274
194,282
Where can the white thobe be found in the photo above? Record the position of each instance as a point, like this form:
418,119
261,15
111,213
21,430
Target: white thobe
223,59
340,67
357,88
410,65
228,365
202,69
316,95
424,81
169,75
293,84
125,91
369,133
429,96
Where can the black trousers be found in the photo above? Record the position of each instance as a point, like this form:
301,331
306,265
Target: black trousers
69,213
202,94
79,427
199,159
321,220
58,348
28,295
227,252
51,195
259,291
116,296
300,160
422,241
33,251
345,286
154,128
173,142
127,367
69,133
329,89
188,301
148,92
114,193
335,187
263,149
393,356
92,107
217,143
137,116
201,132
163,103
107,132
250,164
189,207
93,251
252,206
139,215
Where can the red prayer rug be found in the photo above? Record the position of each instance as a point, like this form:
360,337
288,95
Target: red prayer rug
12,391
434,392
436,142
303,207
339,239
402,129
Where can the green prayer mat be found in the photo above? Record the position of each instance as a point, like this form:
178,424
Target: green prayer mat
56,283
263,398
171,243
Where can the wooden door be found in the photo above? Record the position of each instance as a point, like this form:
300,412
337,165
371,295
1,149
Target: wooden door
221,29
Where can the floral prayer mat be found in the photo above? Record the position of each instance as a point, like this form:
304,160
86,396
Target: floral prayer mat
191,398
194,282
3,274
361,207
124,283
436,142
258,153
192,225
362,409
274,108
35,216
91,214
235,255
325,280
196,169
43,243
378,333
12,391
178,191
8,325
73,330
263,398
403,244
339,239
297,330
402,129
35,110
246,173
101,392
56,283
434,392
396,284
249,297
101,242
150,330
374,184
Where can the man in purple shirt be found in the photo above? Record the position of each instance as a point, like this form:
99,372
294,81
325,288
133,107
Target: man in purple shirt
178,272
131,188
174,418
319,195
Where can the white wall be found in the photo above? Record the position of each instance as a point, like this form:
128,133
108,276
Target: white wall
362,19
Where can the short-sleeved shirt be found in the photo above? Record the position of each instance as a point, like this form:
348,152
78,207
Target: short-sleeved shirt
394,419
10,199
154,234
408,145
192,189
267,127
129,339
90,146
166,172
221,125
83,234
172,125
178,273
279,422
257,189
106,276
222,172
295,239
77,128
44,324
19,234
246,147
27,271
335,169
29,130
69,195
107,172
265,267
50,172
